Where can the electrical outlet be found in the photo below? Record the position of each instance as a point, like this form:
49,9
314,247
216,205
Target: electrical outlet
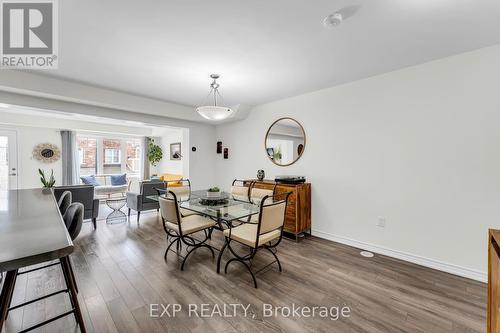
381,222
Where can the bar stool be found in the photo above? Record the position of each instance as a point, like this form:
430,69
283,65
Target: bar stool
64,201
73,219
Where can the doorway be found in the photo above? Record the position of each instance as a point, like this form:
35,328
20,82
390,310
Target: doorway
8,160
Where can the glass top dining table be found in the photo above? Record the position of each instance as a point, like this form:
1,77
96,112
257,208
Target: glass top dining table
229,211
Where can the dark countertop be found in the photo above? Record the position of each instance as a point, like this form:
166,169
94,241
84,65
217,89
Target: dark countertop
31,229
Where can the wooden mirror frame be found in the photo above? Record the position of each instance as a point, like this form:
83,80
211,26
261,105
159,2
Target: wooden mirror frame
267,134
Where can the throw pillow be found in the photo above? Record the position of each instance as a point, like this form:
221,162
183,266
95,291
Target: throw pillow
89,180
118,179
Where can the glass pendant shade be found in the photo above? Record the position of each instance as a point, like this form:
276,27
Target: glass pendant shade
213,111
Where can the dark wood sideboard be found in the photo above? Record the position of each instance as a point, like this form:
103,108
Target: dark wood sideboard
493,322
298,213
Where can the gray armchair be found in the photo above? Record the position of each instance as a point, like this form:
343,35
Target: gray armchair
140,202
83,194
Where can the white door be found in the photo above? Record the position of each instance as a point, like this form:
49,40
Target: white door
8,160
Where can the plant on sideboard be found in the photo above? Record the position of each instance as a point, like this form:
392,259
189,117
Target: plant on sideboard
47,183
155,153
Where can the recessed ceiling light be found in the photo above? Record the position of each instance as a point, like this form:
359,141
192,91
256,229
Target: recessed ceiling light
333,20
366,254
2,105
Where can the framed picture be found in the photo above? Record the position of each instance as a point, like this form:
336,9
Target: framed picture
270,153
175,151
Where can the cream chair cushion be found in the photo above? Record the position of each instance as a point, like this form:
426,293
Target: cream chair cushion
191,224
168,209
182,192
239,193
273,216
246,234
186,212
257,194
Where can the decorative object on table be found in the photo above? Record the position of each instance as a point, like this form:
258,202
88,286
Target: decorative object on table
226,153
289,131
46,153
47,183
155,153
175,151
154,178
213,192
290,179
215,111
214,197
193,149
219,147
261,175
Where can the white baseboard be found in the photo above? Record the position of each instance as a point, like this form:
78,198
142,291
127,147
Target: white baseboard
416,259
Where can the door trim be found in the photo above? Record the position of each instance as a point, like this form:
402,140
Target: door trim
18,167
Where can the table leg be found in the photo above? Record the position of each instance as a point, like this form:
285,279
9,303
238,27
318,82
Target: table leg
6,295
66,265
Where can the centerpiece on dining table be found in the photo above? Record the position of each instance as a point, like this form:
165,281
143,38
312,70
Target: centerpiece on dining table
213,197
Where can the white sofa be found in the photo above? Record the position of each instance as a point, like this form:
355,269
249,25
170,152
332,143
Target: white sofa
105,190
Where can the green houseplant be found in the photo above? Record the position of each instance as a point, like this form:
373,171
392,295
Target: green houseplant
155,153
213,192
277,155
47,183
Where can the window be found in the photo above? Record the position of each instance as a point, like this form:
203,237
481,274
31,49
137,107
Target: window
87,151
133,161
111,156
106,156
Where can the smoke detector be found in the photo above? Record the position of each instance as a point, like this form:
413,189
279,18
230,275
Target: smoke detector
332,20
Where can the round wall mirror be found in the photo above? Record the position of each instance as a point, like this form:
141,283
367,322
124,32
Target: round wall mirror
285,141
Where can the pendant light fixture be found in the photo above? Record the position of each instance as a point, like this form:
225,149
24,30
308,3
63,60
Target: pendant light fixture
216,111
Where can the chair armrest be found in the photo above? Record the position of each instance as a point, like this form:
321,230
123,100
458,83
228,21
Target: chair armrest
134,200
95,208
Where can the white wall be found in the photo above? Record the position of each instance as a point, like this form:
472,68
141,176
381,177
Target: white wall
419,146
168,136
27,139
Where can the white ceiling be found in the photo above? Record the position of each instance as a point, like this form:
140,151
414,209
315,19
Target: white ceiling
264,49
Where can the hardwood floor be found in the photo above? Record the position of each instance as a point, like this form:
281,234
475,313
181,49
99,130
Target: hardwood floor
120,271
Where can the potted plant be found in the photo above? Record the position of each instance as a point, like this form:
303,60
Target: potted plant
213,192
155,153
277,155
47,183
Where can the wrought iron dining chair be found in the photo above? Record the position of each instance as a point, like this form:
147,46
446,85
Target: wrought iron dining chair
179,229
182,189
266,234
256,193
255,196
240,191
